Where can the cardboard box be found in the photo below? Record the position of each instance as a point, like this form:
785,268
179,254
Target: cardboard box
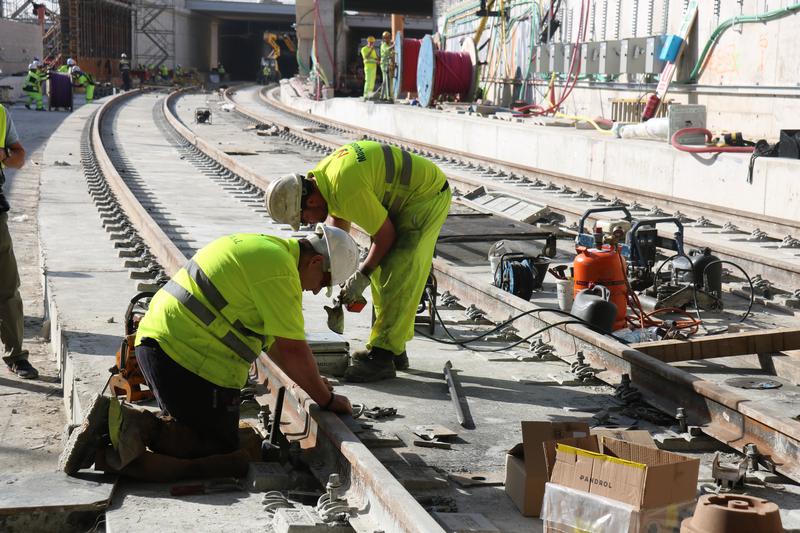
640,476
526,467
637,436
568,510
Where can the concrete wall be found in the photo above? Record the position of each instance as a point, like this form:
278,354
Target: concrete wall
756,63
632,164
192,40
20,42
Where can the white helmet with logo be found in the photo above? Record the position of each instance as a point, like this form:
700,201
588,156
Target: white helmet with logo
283,198
339,250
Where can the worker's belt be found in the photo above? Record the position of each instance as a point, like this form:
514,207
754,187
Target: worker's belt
206,316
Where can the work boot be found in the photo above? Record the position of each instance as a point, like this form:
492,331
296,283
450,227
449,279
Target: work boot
400,361
376,365
24,369
79,452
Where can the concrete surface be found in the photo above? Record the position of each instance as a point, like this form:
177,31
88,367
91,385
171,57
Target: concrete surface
587,155
20,42
87,287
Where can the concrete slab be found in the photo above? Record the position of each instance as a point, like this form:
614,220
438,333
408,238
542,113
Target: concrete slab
22,493
636,164
149,507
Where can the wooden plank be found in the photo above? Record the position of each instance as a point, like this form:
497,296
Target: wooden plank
726,345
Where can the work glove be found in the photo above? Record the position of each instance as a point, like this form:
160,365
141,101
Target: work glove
354,288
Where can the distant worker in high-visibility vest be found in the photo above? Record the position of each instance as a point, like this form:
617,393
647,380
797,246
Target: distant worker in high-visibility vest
387,66
163,71
125,72
238,296
83,79
33,85
401,200
370,57
67,67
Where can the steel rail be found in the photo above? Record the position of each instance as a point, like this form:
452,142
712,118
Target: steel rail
725,415
693,209
381,502
780,273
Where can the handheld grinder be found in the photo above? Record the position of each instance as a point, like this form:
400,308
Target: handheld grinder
336,313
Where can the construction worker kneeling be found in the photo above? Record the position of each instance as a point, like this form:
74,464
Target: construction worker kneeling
401,200
237,296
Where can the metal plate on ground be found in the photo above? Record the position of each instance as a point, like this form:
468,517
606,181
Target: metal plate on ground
470,228
478,479
54,491
754,383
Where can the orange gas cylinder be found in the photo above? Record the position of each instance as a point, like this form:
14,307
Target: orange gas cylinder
605,267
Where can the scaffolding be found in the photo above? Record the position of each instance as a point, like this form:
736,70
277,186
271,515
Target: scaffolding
154,34
45,13
95,33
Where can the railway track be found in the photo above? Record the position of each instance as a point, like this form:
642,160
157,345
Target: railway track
164,227
762,245
163,231
724,412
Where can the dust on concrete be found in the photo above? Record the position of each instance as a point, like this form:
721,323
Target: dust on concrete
32,414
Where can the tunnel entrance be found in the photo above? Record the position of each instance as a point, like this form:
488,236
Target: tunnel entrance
241,47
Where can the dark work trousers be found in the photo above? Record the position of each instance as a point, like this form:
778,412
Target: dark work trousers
11,317
210,410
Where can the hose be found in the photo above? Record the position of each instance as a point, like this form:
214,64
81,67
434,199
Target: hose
722,28
675,141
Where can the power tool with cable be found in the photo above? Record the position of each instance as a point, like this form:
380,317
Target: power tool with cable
126,376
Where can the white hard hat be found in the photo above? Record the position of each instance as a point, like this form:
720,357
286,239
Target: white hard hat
123,56
34,64
339,249
282,199
70,61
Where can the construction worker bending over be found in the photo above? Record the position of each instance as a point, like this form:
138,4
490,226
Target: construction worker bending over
12,318
387,66
163,71
370,57
83,79
33,85
401,200
237,296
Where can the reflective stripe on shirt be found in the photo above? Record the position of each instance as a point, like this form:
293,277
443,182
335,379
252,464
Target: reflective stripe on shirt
205,315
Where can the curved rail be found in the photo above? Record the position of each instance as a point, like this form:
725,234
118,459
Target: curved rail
381,501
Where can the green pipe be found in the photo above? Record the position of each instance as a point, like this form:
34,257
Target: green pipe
742,19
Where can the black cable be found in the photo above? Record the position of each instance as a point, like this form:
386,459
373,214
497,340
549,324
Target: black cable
747,277
465,342
512,345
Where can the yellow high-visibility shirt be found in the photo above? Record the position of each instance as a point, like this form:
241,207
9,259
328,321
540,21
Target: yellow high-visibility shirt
258,279
355,183
369,55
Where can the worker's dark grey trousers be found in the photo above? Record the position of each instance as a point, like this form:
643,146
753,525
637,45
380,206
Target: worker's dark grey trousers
211,411
11,317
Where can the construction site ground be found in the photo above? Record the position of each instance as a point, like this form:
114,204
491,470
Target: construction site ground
56,227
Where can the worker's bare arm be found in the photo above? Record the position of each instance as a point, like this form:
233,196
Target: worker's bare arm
295,358
15,157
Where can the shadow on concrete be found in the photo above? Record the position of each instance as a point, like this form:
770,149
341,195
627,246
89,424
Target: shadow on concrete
66,274
93,343
31,386
488,388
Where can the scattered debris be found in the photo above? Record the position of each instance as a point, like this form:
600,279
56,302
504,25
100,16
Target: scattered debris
434,436
375,413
